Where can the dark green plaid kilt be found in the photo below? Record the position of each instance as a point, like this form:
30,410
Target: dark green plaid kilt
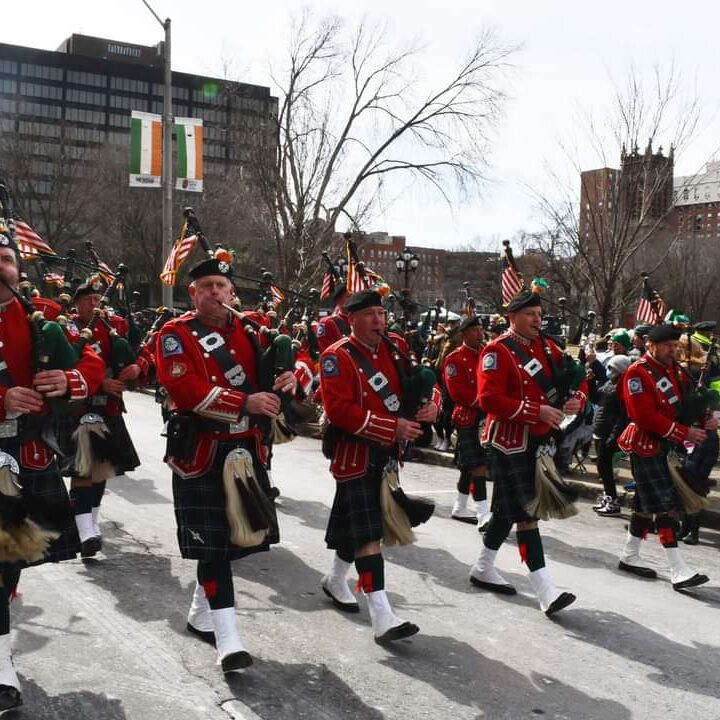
202,528
124,457
655,491
513,479
356,514
469,453
48,485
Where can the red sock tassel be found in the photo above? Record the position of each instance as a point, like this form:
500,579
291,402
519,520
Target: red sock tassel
365,582
522,549
211,589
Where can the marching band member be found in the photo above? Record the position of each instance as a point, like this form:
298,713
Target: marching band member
216,450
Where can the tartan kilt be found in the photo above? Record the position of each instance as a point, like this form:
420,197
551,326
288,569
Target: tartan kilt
469,453
513,479
202,528
48,485
655,491
125,457
356,514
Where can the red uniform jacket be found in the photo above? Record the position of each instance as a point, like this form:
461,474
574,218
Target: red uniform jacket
332,328
460,373
16,349
196,383
510,395
652,414
352,405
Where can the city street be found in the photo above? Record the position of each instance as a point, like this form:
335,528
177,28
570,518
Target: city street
107,639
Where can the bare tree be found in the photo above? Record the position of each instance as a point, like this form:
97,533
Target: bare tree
620,213
352,114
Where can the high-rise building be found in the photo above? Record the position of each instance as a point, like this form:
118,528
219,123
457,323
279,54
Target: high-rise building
65,115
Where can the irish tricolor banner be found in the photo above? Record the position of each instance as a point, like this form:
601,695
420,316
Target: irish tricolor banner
189,139
145,149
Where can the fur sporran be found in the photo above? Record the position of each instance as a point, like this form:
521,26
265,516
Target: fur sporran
554,498
691,500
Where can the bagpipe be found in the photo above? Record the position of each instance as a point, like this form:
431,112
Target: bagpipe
691,474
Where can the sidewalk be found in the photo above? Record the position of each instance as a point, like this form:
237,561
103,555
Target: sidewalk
588,483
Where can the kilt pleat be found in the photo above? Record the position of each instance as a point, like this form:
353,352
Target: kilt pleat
356,514
202,528
469,453
513,479
655,491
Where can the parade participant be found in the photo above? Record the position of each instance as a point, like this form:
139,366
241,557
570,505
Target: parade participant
444,425
361,391
517,387
209,365
654,388
638,341
461,382
610,421
87,490
24,421
336,325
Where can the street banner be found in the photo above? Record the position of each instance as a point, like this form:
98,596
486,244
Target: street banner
145,149
189,139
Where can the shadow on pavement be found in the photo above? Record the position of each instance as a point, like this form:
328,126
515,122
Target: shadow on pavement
38,705
583,557
142,583
464,676
286,692
140,491
295,584
312,514
689,668
25,618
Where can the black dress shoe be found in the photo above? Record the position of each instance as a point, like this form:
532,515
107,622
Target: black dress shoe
561,602
345,607
398,633
638,570
470,520
493,587
694,581
204,635
236,661
691,539
10,698
90,547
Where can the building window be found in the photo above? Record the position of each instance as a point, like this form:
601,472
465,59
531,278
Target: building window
181,93
49,92
44,72
686,194
39,110
9,67
85,78
8,87
125,102
119,120
128,85
86,116
86,97
697,226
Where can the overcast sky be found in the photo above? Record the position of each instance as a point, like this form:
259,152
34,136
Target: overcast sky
570,52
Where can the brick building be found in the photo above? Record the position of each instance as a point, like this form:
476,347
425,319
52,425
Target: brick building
696,200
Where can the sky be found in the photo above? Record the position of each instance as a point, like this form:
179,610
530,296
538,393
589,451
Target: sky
571,55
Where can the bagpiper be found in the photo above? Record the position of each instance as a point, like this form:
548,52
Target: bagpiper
32,493
208,361
517,389
360,382
460,373
654,390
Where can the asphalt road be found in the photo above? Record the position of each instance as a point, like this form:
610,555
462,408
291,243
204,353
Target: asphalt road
106,640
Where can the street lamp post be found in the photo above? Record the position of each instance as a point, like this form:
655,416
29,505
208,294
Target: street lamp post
167,189
407,262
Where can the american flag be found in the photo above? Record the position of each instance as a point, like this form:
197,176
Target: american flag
176,258
276,294
53,278
651,307
512,281
29,243
105,272
328,286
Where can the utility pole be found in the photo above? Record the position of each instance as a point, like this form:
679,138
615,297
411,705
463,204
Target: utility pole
167,188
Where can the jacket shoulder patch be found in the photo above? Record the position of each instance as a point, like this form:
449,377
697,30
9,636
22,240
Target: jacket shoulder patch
490,361
635,386
171,345
330,367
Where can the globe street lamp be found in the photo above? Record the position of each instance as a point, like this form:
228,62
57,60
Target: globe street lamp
407,262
